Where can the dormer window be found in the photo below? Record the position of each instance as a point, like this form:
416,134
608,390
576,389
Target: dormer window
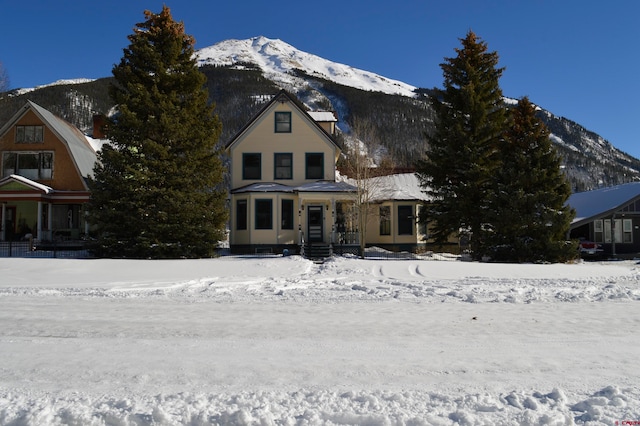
29,134
283,122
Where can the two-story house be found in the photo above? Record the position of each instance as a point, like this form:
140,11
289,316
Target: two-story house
44,165
284,193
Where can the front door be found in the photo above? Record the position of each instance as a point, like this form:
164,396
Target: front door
315,224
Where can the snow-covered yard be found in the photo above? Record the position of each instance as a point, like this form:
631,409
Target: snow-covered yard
285,341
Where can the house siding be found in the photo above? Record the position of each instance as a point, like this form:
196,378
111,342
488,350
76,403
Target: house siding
65,175
261,138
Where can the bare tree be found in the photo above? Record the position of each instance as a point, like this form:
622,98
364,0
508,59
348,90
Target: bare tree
4,79
364,160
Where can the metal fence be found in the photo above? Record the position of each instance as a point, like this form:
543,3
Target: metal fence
78,250
52,250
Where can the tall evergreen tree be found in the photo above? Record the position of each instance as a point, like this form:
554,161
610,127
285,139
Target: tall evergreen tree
157,189
461,154
528,213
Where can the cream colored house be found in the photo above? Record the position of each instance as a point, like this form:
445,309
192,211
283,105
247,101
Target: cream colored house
284,193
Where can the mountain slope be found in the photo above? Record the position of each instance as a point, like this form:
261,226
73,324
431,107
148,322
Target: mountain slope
243,74
279,61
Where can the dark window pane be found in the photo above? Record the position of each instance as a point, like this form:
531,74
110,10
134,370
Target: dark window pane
241,214
251,166
287,214
315,166
264,214
405,220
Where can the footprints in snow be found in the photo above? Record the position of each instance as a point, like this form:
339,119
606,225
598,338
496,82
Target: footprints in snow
414,271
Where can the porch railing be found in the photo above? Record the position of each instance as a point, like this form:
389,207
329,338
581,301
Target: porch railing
347,238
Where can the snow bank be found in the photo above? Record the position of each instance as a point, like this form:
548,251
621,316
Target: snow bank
285,341
313,407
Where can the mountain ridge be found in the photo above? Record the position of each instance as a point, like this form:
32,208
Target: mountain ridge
242,74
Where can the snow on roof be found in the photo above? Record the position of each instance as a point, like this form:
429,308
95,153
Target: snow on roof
322,116
320,186
264,187
602,201
326,186
401,186
97,144
44,188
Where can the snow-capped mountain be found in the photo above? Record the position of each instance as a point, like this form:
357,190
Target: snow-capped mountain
278,60
242,74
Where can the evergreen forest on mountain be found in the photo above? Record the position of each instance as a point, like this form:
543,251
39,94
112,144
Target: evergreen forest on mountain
400,123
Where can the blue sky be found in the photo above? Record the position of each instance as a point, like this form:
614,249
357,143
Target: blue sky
577,59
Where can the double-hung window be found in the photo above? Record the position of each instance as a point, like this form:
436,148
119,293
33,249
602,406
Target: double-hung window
251,166
241,215
29,134
283,122
604,231
314,165
405,220
283,165
264,214
287,214
32,165
385,220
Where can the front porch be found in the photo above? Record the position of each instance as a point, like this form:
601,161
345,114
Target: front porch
32,211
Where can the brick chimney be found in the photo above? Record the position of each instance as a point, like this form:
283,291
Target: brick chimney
99,123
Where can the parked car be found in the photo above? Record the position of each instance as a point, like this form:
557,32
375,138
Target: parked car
589,249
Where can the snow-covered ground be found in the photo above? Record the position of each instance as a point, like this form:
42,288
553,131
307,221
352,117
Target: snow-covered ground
285,341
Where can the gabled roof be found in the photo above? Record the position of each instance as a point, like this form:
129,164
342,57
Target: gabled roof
591,205
282,96
27,182
79,148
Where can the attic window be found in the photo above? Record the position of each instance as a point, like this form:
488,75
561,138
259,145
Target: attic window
283,122
29,134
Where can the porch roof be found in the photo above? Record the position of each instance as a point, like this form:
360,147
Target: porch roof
319,186
29,190
28,182
326,186
591,205
395,187
264,187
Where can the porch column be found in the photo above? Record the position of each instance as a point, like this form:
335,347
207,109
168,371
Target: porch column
333,220
300,234
39,222
4,218
613,234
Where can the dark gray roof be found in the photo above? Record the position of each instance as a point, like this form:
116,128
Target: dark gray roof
319,186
